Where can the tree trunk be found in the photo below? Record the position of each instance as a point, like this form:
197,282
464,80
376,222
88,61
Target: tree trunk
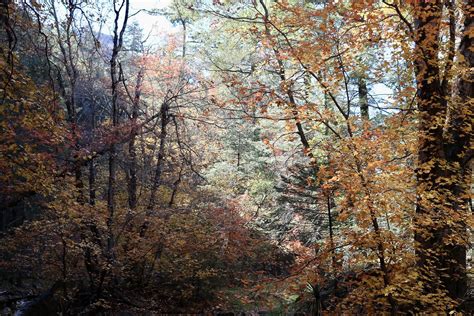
161,155
92,193
443,158
132,150
175,187
117,46
459,154
363,96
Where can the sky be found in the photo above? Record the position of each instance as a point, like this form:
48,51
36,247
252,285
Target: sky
154,25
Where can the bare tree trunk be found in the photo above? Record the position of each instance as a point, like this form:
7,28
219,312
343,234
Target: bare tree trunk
132,150
329,204
161,155
175,187
92,193
69,93
117,46
5,18
363,96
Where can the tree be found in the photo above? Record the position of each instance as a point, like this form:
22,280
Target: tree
281,156
445,127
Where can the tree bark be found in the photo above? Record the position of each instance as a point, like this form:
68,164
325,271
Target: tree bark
443,157
68,92
363,96
160,157
117,46
459,154
175,187
132,150
92,192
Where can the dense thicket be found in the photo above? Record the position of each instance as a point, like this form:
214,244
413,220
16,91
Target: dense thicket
281,156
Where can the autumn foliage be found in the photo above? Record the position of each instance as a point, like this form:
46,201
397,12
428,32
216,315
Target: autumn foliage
289,157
